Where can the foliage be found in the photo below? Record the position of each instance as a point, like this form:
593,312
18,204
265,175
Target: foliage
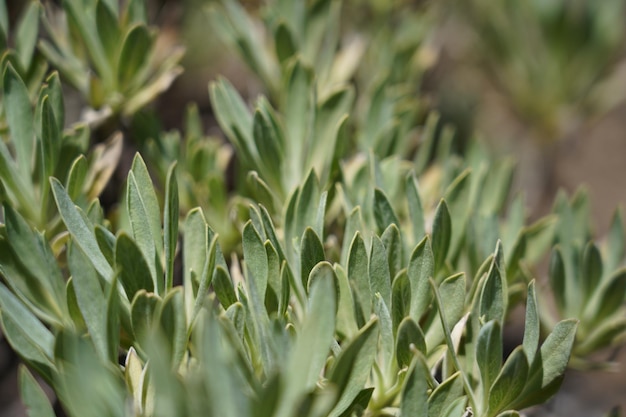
352,264
109,54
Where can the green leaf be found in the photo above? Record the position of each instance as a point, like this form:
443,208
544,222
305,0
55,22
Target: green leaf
106,243
109,31
615,242
145,218
383,212
76,177
174,324
113,321
269,144
414,399
206,278
311,253
223,287
612,295
346,314
549,364
142,313
446,392
85,23
489,355
379,275
607,333
299,110
400,299
453,290
421,269
255,257
133,269
90,298
26,34
307,206
409,337
33,397
386,345
359,404
50,141
4,21
195,249
17,185
311,348
80,230
27,335
352,368
591,270
35,256
531,327
493,298
416,212
393,244
354,223
442,232
285,43
234,118
510,382
170,226
19,117
556,275
358,274
136,48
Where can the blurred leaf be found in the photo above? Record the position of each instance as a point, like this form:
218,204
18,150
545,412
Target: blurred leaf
108,28
170,225
27,335
174,324
311,348
400,299
26,33
19,117
352,368
285,43
557,278
416,212
142,313
33,397
442,232
414,399
134,273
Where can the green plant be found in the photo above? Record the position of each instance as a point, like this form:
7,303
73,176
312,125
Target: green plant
352,264
36,146
292,317
109,54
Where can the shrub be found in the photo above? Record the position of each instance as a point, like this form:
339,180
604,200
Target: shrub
354,264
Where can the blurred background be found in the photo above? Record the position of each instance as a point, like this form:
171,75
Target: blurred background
543,81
